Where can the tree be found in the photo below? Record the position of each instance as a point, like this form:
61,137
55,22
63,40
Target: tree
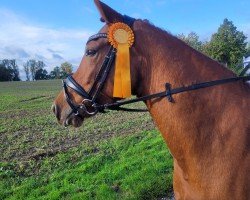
192,39
40,65
32,67
55,73
66,69
61,72
36,70
228,45
5,74
41,74
9,70
27,71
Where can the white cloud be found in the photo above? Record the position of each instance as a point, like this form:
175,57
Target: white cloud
21,39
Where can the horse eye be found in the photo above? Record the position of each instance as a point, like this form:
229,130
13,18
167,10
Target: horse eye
90,52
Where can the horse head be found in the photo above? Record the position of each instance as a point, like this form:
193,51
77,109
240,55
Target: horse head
93,82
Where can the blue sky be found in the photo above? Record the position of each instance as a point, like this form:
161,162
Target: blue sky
56,31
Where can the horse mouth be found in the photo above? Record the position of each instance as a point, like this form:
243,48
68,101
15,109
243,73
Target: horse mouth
74,120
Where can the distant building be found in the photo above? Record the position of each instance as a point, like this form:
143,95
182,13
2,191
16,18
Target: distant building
246,61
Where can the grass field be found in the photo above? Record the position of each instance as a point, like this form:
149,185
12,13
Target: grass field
116,155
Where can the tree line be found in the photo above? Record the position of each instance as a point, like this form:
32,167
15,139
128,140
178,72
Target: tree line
34,70
227,45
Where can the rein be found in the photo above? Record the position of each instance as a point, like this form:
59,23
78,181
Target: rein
169,92
89,104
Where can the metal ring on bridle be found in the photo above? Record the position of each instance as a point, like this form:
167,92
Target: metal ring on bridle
93,105
77,113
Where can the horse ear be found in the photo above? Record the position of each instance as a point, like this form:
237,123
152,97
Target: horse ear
108,15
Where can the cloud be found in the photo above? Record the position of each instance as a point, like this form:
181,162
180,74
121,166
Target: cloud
21,39
57,56
53,51
16,51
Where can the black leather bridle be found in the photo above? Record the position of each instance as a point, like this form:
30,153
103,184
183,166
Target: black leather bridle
90,105
90,97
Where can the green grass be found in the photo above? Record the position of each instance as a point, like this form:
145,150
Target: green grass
117,155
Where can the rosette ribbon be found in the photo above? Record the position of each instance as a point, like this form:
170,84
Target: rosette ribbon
121,37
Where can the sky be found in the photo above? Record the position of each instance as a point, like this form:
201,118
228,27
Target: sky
56,31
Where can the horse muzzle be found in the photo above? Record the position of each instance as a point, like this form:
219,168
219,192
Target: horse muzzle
67,117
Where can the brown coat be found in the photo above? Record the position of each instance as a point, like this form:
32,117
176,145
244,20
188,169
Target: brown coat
207,131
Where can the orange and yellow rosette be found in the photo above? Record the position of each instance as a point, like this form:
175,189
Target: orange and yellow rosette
121,37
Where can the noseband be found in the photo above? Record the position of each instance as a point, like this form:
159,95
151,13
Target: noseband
90,106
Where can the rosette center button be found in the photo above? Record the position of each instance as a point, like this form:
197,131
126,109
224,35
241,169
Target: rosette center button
121,36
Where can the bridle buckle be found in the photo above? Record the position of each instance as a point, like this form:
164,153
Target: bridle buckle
85,108
169,93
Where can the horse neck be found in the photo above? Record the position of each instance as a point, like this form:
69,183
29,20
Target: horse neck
188,124
167,59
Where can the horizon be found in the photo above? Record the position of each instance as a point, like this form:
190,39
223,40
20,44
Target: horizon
58,32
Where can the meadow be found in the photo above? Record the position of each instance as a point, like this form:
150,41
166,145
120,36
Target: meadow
117,155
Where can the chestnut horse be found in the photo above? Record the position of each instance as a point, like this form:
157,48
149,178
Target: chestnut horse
207,130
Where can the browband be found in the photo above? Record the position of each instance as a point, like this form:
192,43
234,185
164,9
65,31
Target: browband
97,36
